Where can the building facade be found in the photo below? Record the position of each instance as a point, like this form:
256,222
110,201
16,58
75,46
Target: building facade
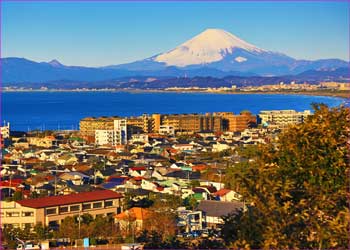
157,123
50,211
283,118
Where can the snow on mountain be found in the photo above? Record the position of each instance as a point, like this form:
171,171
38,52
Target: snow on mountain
240,59
211,45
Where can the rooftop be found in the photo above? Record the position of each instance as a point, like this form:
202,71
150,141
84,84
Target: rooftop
70,199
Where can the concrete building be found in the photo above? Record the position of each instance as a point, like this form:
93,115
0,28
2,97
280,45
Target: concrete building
116,136
5,131
283,118
50,211
89,125
236,123
104,137
157,123
166,130
120,131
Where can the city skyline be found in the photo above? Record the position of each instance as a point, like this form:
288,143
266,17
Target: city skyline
100,34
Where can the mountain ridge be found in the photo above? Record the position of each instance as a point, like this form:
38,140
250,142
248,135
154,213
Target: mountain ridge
214,52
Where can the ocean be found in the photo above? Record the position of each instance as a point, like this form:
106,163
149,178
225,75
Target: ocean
63,110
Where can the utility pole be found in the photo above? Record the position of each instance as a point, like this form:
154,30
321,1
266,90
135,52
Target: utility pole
79,222
56,181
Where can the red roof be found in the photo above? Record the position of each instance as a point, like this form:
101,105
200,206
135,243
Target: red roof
222,192
70,199
7,184
138,213
141,168
199,167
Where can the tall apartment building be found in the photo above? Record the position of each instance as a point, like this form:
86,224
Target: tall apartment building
116,136
236,123
5,131
182,123
140,124
89,125
192,122
283,117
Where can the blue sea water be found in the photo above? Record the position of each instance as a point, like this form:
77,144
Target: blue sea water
63,110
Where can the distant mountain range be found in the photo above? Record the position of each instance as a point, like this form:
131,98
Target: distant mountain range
144,82
213,53
221,50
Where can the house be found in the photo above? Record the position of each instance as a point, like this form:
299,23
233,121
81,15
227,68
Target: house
226,195
134,219
184,175
203,193
213,211
137,171
183,147
76,178
67,159
220,146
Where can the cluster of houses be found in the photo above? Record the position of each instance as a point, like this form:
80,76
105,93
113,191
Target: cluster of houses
48,177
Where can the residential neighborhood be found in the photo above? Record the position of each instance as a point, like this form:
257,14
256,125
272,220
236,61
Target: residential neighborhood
49,176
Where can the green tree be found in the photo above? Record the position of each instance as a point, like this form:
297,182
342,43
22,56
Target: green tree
298,184
42,232
69,229
17,196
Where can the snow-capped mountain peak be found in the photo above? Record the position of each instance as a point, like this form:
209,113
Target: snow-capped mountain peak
209,46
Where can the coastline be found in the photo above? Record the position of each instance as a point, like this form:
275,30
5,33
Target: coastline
344,94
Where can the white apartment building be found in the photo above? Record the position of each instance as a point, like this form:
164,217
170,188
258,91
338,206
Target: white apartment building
283,117
167,130
120,131
114,137
5,131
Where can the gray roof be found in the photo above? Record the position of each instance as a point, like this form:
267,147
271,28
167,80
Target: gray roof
219,208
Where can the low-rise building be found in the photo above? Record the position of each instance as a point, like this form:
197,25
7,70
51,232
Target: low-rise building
213,211
50,211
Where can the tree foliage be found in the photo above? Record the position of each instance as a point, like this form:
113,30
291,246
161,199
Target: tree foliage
297,186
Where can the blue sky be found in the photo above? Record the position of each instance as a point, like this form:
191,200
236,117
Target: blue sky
106,33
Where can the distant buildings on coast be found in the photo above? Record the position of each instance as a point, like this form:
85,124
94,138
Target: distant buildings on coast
116,130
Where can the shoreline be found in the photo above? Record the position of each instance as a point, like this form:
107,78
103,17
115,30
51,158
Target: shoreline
345,94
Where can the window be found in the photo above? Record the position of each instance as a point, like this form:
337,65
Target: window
51,211
74,208
108,203
15,225
97,205
12,214
87,206
27,225
63,209
27,214
119,210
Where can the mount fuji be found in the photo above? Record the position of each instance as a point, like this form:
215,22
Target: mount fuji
220,50
212,53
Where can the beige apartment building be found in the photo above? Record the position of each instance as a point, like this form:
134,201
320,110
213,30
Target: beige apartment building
283,118
50,211
89,125
236,123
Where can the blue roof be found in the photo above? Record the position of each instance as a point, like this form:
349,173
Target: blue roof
109,185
